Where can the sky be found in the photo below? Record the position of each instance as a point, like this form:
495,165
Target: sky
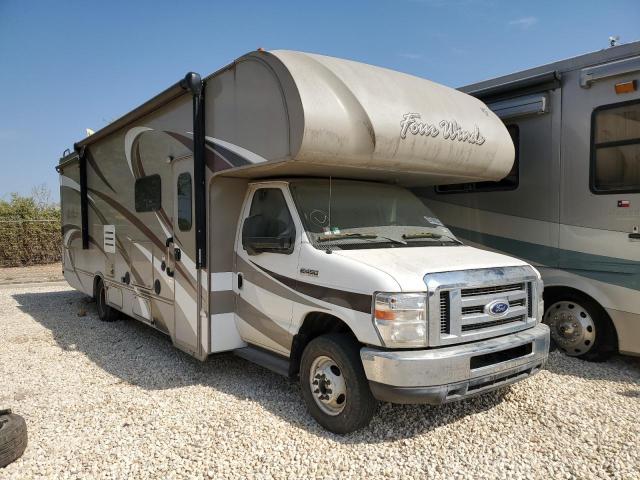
70,65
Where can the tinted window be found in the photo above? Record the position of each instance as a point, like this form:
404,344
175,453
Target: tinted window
510,182
148,193
270,204
615,149
184,201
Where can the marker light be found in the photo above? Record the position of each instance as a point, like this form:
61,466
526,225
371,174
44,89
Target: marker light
401,319
626,87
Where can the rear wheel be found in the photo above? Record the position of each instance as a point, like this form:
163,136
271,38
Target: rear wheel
105,312
334,386
579,326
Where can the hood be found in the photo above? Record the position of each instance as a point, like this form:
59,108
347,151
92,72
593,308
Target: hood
409,265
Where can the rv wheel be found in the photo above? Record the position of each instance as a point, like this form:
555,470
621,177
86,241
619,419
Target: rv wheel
105,312
13,437
579,326
334,386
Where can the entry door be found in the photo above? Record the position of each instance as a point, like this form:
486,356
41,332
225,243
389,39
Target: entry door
600,213
181,254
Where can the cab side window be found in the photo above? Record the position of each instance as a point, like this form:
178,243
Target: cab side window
271,218
615,148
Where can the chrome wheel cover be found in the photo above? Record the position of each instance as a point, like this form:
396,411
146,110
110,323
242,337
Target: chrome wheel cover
572,327
327,385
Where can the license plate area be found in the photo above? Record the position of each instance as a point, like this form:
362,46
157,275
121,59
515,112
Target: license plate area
494,358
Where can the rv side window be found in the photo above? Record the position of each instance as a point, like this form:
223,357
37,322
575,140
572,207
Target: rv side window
615,148
148,193
510,182
184,202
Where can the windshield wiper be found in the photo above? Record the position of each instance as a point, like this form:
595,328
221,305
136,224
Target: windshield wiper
339,236
356,235
435,236
409,236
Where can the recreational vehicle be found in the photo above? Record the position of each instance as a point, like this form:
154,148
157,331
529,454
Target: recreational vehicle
265,210
571,203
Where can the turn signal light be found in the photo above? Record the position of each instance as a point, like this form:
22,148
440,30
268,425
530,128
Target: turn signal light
626,87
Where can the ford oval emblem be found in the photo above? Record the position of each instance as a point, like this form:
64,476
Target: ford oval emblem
497,308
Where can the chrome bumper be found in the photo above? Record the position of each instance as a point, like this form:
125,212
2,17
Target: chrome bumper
446,374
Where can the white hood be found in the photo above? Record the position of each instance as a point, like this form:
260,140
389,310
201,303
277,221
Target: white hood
409,265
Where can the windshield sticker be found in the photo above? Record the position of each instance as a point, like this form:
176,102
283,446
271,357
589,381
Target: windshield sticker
319,217
433,221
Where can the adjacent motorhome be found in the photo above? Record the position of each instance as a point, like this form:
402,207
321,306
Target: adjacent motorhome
265,210
571,203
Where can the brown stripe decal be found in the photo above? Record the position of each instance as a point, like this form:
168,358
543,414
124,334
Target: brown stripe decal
96,169
215,162
263,324
143,228
262,280
354,301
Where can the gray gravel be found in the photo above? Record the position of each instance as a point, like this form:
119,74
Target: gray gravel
116,400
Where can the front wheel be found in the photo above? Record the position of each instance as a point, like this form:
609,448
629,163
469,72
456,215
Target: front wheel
334,385
579,326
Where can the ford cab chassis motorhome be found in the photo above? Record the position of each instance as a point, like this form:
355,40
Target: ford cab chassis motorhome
571,204
265,210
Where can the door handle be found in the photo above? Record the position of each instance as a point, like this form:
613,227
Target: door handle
177,253
634,236
239,280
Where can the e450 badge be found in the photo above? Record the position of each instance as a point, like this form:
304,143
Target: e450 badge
309,271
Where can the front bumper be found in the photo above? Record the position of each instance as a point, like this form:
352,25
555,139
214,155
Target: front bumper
446,374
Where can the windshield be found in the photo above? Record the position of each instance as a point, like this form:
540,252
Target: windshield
348,214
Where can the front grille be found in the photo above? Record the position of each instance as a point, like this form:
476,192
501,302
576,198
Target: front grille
459,308
492,323
472,310
470,292
445,316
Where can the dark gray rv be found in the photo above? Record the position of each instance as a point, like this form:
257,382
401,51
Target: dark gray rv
571,203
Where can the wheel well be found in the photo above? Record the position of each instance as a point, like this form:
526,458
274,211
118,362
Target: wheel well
551,292
314,325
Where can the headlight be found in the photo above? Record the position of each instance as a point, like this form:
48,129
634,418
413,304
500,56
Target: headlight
401,319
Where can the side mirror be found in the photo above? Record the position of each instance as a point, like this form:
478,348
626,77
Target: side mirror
258,237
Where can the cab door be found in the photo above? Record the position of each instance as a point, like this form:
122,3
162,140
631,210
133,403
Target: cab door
264,305
600,199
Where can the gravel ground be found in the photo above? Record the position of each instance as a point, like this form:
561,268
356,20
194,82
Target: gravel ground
116,400
51,272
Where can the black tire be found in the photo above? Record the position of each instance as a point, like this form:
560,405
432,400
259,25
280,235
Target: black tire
359,403
105,312
13,438
605,342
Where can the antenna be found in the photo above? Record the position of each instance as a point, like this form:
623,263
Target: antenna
330,193
614,40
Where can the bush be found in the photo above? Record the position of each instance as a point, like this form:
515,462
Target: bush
30,230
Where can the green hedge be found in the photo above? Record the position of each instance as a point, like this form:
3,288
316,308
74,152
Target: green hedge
29,232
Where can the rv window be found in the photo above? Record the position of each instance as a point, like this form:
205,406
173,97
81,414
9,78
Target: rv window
148,193
271,205
615,148
184,201
510,182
